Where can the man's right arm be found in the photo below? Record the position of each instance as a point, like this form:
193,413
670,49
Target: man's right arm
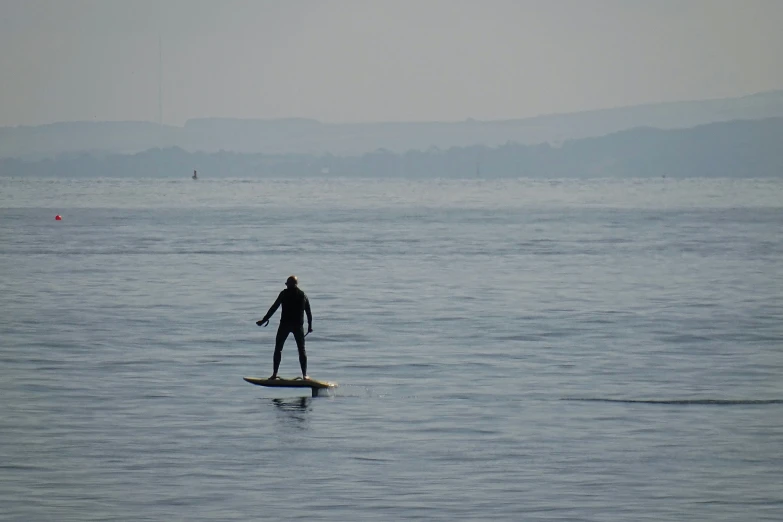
273,309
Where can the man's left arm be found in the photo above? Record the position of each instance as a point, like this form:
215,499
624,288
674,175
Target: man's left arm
309,315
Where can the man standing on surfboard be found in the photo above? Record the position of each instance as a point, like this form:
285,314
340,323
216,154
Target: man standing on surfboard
295,304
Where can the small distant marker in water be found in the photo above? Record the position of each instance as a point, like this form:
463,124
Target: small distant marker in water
58,217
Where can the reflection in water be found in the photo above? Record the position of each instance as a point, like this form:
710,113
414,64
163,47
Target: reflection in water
294,410
297,404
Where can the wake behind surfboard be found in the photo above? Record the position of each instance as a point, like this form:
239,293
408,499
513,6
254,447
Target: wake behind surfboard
292,383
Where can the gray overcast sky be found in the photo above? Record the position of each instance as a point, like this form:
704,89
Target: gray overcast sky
376,60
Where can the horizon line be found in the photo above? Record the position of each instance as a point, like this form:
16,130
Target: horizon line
381,122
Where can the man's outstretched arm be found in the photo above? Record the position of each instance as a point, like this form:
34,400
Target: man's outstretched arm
271,311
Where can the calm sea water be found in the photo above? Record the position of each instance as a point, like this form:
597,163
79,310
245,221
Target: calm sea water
597,350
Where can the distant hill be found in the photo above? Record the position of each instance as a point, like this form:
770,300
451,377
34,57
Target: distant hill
304,136
738,149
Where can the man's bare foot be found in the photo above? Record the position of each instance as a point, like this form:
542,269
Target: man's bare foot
274,377
306,377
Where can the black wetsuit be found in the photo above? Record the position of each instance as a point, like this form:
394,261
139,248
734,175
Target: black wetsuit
295,305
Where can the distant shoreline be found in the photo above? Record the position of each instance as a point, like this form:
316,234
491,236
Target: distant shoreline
735,149
313,138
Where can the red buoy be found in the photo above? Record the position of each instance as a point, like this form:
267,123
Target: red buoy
58,217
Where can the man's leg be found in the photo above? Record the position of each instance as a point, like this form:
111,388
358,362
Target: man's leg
282,334
300,344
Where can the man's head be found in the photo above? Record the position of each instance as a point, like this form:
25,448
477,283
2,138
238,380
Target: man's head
292,281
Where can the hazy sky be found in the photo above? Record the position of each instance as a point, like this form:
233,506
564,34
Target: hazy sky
376,60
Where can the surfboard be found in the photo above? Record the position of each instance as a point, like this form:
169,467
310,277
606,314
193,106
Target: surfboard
292,383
